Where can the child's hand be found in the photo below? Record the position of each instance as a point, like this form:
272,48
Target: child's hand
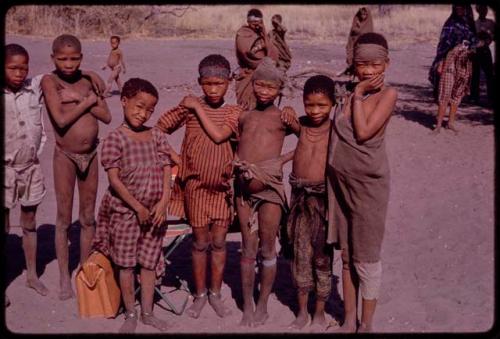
143,215
159,213
289,116
92,98
369,85
175,158
191,102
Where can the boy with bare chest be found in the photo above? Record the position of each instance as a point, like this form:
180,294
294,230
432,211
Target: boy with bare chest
259,191
307,225
115,63
74,109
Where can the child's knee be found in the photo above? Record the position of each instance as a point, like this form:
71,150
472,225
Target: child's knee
87,219
200,245
370,278
218,245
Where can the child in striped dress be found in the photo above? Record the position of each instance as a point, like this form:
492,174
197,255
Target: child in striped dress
203,191
131,220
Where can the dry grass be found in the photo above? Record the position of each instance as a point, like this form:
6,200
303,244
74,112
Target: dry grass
404,23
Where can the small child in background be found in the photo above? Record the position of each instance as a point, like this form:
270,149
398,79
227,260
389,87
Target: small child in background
307,224
115,63
203,192
24,141
131,220
277,37
362,23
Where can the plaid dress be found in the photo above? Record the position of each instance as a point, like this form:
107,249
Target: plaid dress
454,83
118,233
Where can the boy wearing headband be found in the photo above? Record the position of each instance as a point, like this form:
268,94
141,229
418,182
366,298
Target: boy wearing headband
259,191
358,180
202,191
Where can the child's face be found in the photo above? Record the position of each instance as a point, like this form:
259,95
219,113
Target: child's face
138,109
16,71
365,70
363,15
114,43
318,107
266,90
67,60
214,88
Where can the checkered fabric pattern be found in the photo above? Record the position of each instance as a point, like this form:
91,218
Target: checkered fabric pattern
455,79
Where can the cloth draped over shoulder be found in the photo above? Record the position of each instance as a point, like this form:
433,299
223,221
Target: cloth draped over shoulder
277,37
358,28
249,54
358,189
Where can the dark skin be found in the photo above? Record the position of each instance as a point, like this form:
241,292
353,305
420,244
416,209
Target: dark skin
312,147
74,110
262,132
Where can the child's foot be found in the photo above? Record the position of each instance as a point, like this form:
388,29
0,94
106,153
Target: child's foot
299,322
151,320
66,291
363,328
215,300
260,316
319,320
452,128
435,131
247,318
345,328
130,323
37,285
198,303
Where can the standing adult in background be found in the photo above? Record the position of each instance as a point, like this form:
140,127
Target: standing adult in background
485,29
361,23
252,45
457,28
277,37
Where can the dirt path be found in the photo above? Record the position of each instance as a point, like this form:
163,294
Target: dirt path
438,253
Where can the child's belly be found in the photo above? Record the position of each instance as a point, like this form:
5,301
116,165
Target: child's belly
81,137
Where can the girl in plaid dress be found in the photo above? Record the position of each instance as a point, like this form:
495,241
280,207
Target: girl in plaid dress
131,220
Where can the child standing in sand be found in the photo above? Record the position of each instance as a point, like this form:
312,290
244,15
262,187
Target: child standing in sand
115,63
134,208
203,192
307,225
74,110
24,140
358,180
260,195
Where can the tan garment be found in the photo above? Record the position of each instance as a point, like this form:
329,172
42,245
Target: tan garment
357,29
358,190
277,37
249,55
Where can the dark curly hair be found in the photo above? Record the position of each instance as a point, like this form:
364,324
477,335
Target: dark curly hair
320,84
135,85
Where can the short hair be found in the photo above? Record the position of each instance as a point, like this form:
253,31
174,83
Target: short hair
372,38
277,17
320,84
15,49
255,12
214,60
115,37
66,40
135,85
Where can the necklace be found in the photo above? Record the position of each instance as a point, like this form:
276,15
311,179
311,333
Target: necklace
316,134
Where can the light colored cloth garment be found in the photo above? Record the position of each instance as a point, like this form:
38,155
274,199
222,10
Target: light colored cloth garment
358,190
455,79
370,279
24,139
358,28
277,37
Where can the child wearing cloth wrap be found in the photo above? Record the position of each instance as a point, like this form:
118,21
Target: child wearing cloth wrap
203,190
358,180
260,196
306,228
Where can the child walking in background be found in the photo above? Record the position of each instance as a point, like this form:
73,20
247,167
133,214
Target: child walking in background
361,23
116,64
358,180
203,192
307,225
131,220
24,141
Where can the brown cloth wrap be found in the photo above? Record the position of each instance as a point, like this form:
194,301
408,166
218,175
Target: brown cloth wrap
358,190
277,37
270,173
357,29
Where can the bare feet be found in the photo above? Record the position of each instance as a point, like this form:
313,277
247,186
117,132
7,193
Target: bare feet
452,128
247,319
319,320
435,131
130,323
198,303
363,328
260,316
299,322
37,285
151,320
66,291
345,328
215,300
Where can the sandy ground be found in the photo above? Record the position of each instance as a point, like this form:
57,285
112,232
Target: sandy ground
438,253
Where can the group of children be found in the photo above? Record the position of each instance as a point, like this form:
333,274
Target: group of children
230,164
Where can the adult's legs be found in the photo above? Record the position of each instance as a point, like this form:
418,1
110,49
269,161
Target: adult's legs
201,241
249,246
64,183
269,222
350,285
453,113
217,264
87,189
28,224
126,277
